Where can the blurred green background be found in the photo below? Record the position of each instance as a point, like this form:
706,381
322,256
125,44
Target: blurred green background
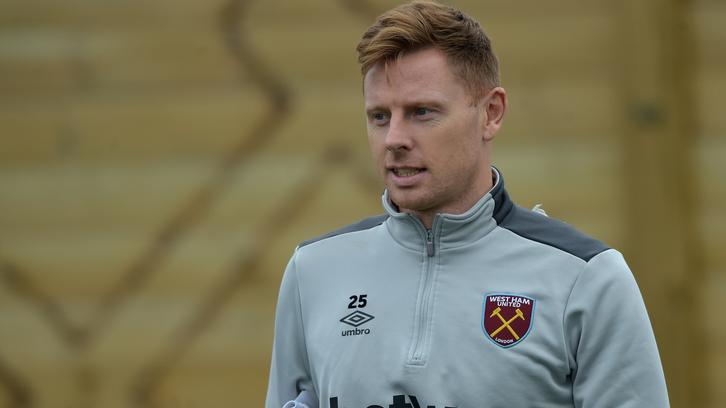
160,160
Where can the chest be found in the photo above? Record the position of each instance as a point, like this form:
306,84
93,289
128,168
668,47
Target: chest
418,324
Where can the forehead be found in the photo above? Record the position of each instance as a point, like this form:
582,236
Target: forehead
419,74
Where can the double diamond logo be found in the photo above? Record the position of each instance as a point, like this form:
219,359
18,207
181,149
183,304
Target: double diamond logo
357,318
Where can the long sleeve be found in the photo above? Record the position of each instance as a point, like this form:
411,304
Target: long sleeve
610,340
290,369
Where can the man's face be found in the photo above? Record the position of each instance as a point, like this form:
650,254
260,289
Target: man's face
430,143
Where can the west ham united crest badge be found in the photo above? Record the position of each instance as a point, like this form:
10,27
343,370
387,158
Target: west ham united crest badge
507,318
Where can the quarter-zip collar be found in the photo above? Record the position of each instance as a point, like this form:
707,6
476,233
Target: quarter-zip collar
449,230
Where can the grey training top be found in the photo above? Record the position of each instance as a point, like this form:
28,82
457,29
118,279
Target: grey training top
496,307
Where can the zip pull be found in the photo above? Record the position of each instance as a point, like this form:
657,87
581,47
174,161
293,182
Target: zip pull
429,243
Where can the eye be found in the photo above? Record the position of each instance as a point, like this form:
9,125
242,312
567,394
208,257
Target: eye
379,116
421,111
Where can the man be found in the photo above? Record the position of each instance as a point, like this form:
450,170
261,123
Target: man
455,297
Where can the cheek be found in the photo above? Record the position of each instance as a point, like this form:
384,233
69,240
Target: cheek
471,139
372,143
459,151
378,147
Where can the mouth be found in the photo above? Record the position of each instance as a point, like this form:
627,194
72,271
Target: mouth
406,172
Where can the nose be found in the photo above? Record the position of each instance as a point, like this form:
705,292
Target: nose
398,137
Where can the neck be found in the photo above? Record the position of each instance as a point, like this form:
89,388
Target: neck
460,207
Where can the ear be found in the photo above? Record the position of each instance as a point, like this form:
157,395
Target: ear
494,105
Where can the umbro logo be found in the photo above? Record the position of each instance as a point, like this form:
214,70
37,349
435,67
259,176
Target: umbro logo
357,318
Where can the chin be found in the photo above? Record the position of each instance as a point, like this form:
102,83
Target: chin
406,200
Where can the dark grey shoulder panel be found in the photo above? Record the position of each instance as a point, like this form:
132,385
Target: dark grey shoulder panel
548,231
364,224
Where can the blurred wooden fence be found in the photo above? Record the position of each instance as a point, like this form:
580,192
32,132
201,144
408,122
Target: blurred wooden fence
159,161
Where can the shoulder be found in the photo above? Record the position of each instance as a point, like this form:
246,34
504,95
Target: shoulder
365,224
548,231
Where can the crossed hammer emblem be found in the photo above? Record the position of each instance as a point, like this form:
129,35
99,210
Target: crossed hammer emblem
506,323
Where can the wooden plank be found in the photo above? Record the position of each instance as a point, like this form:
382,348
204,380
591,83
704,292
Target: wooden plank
75,229
219,387
28,343
172,123
583,46
132,197
553,46
93,197
573,181
714,305
708,23
558,110
89,12
659,130
711,171
53,61
148,52
712,223
711,88
93,14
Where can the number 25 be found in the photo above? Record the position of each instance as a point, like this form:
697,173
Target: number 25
361,300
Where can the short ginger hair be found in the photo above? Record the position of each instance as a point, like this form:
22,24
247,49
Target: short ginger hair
422,24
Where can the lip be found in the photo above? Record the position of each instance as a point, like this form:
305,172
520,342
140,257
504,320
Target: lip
406,181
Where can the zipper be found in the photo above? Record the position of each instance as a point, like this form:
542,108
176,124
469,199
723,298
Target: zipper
419,346
430,243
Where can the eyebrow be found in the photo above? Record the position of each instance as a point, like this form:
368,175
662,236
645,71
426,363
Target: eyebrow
419,103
